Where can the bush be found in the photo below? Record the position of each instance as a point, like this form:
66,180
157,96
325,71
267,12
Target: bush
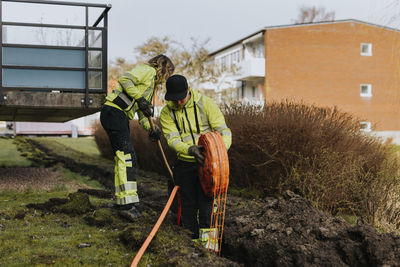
316,152
319,153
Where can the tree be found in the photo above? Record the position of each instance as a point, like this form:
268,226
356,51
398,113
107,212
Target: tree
314,14
118,67
191,61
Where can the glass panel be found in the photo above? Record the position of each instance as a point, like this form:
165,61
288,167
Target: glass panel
43,36
95,59
43,13
94,14
364,89
95,39
364,48
95,80
43,78
19,56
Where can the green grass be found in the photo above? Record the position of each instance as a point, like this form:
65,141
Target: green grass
72,176
396,149
10,156
41,239
82,150
351,219
86,145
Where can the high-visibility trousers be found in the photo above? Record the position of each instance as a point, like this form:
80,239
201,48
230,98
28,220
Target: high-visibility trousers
116,124
209,238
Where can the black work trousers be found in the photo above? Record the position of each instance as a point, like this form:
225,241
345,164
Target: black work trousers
196,206
116,124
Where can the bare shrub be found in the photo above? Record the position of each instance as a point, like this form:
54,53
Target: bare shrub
316,152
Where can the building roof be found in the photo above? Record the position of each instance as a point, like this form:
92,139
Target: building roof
299,25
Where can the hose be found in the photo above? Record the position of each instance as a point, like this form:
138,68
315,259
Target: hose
153,232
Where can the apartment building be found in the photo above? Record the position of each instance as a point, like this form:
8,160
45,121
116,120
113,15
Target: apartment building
350,64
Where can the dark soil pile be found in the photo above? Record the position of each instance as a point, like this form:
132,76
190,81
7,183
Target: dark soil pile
289,231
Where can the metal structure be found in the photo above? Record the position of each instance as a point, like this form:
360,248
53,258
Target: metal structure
53,83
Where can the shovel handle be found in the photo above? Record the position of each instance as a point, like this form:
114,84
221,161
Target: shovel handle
161,149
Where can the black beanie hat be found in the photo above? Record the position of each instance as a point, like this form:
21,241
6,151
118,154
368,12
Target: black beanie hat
176,88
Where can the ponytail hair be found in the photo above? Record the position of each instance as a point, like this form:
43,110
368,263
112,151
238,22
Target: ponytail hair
163,66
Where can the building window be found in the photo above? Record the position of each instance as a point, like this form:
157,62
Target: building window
229,60
366,49
235,56
254,92
365,90
365,126
242,90
224,61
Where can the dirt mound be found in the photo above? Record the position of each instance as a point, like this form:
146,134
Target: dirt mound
289,231
76,204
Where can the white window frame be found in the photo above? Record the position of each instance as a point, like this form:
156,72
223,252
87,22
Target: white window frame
367,126
369,49
369,89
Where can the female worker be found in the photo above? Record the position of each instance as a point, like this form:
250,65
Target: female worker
133,94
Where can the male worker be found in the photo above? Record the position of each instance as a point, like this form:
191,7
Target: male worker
134,93
186,116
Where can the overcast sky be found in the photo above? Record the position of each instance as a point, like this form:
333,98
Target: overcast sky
132,22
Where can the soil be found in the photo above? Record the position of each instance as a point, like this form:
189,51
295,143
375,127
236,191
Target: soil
23,178
275,231
289,231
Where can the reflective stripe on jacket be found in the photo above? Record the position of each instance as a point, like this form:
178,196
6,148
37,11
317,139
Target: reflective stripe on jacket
136,83
182,130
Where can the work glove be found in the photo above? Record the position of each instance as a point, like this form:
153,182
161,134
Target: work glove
155,134
197,153
145,106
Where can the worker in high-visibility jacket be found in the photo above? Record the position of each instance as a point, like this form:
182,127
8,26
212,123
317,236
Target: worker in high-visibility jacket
133,94
186,116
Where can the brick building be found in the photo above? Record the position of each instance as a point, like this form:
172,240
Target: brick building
350,64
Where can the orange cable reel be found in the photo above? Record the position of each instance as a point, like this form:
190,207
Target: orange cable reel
214,179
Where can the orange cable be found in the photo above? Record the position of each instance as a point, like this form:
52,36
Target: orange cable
153,232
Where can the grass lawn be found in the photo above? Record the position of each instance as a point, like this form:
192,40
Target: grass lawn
10,156
82,150
31,237
85,145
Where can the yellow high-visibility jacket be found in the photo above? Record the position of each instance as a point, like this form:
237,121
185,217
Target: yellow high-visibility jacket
182,129
136,83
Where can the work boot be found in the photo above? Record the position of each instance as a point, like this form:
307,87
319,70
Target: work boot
131,214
